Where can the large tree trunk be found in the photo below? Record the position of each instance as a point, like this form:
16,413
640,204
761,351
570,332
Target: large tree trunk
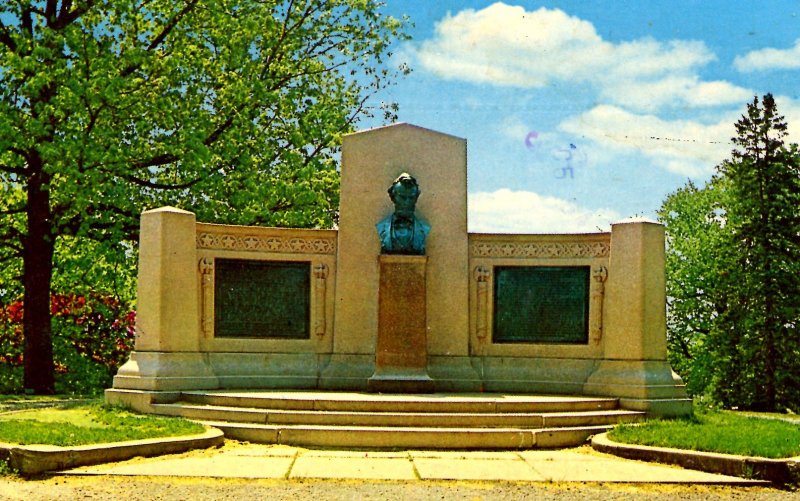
37,275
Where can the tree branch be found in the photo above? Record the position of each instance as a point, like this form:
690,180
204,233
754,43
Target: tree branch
159,186
8,212
67,16
171,25
17,254
27,22
212,138
6,38
8,238
155,161
50,11
159,39
12,170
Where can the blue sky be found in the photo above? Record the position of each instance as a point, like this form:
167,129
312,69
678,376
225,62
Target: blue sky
581,113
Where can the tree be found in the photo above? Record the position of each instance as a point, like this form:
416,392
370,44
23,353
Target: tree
733,270
763,220
697,260
230,108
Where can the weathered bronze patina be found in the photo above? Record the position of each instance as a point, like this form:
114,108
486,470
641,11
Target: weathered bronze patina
538,304
403,232
262,299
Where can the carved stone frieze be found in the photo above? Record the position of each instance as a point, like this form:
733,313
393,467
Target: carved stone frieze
211,240
540,249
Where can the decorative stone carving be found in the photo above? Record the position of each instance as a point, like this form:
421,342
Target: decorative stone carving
210,240
320,286
482,275
540,249
600,275
206,266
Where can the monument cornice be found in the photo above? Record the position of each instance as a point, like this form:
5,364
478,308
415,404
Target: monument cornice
272,240
554,246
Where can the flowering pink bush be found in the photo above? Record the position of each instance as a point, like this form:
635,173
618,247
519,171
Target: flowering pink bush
92,336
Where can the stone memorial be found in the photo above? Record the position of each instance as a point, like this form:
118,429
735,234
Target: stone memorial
400,297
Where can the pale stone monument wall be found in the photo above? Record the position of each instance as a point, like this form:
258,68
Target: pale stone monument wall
535,367
371,161
623,355
176,348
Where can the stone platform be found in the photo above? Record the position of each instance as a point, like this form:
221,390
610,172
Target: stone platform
368,420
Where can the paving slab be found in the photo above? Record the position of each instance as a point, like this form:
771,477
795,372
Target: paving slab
246,449
243,460
372,468
220,466
463,454
353,454
476,469
568,466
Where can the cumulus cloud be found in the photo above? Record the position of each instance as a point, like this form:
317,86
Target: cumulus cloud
686,147
769,59
688,90
508,211
514,128
509,46
790,109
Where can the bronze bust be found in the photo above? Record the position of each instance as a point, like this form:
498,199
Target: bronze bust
403,232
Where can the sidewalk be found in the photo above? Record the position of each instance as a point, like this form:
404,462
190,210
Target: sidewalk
244,460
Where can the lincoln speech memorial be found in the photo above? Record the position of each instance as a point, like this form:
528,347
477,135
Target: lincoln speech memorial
401,299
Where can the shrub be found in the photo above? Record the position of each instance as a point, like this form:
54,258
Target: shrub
92,336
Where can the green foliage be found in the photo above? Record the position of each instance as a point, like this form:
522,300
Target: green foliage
233,109
696,263
5,468
760,329
717,431
90,425
733,271
93,336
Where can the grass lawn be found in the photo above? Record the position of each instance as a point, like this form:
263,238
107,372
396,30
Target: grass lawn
87,424
771,436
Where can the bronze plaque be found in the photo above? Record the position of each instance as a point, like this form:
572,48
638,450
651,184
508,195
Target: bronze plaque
541,304
262,299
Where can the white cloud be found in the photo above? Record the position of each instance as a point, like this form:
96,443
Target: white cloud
685,147
507,211
509,46
790,109
514,128
769,59
688,90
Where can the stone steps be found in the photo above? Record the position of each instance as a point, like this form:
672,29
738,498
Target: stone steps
408,419
374,437
430,421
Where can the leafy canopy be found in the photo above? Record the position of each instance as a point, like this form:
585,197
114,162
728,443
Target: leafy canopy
733,270
233,109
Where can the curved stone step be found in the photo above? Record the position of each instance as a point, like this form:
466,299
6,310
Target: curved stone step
372,402
408,437
409,419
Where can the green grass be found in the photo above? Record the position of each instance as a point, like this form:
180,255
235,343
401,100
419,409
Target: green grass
718,431
87,424
17,402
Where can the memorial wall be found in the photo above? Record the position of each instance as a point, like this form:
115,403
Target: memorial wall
245,307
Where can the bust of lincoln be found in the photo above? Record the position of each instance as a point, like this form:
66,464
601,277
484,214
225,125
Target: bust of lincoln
403,232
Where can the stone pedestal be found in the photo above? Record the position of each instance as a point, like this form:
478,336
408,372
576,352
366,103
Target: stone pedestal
401,355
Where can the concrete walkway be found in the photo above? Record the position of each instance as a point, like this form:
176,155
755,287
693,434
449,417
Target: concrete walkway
244,460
